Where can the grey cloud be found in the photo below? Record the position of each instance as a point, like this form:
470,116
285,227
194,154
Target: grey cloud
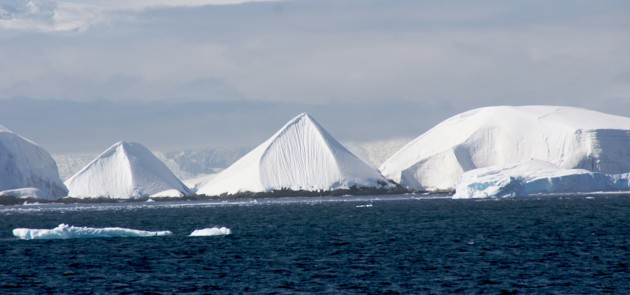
337,59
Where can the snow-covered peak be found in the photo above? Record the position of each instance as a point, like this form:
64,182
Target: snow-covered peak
125,170
302,155
565,136
25,165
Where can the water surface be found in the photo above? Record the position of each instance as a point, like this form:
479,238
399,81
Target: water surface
376,244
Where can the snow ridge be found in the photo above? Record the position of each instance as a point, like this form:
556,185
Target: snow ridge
25,165
300,156
125,170
571,138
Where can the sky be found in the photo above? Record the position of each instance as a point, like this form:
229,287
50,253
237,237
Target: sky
78,76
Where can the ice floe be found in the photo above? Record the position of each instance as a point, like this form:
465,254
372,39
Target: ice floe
215,231
64,231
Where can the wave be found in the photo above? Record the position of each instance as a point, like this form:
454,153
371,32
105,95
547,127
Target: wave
64,231
215,231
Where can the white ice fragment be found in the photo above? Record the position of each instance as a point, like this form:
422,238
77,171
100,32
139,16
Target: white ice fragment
64,231
215,231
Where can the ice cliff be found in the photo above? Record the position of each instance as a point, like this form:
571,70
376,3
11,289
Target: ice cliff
535,177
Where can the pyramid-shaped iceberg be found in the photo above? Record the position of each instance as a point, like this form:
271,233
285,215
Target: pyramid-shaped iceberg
300,156
567,137
124,171
27,170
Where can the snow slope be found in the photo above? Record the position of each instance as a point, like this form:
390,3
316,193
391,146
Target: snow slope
125,170
535,177
497,136
24,164
300,156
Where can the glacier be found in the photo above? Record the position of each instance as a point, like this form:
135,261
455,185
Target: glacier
215,231
571,138
64,231
27,170
300,156
126,170
535,177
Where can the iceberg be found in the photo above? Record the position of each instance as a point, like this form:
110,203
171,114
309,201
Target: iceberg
535,177
126,170
568,137
300,156
64,231
27,170
215,231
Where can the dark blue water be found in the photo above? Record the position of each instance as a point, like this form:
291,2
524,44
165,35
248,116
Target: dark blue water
565,245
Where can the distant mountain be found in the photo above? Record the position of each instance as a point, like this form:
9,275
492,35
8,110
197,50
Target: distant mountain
125,170
26,169
194,162
300,156
376,152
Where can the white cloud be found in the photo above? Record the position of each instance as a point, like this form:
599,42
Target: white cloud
76,15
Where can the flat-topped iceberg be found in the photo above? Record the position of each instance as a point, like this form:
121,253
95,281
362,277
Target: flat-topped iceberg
570,138
64,231
535,177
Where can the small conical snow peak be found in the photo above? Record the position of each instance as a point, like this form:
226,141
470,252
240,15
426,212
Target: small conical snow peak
125,170
26,169
302,155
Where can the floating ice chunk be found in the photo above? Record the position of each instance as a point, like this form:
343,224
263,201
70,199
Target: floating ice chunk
64,231
535,177
215,231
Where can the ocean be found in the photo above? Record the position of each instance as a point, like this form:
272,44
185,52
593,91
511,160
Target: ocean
403,244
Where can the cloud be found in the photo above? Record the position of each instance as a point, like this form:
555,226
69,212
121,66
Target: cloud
352,62
76,15
49,16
